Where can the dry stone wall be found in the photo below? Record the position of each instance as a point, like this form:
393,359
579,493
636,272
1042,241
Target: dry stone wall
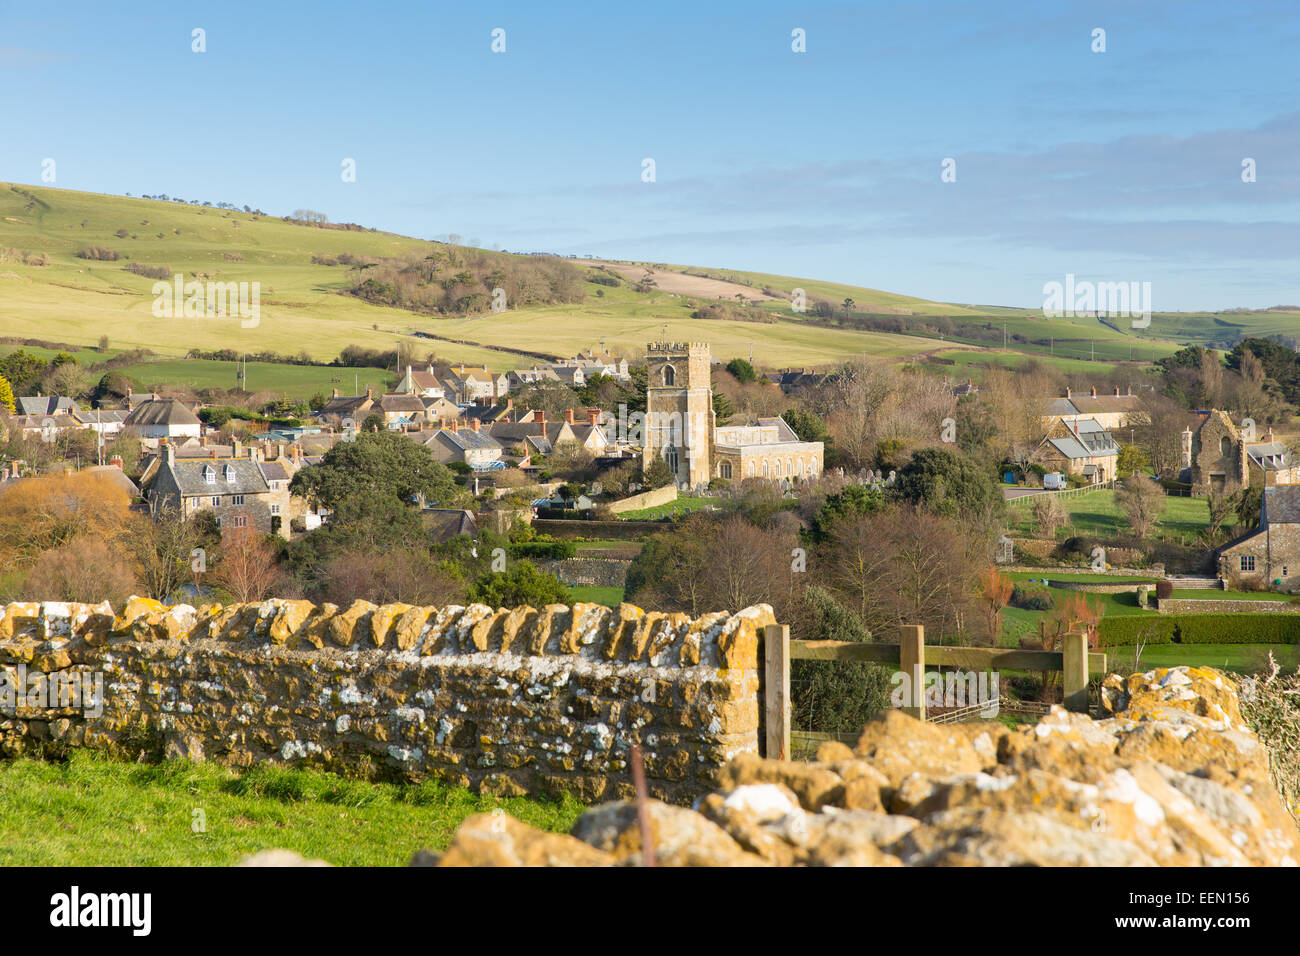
506,700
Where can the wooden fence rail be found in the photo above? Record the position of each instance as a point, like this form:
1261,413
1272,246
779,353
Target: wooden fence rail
910,655
1064,492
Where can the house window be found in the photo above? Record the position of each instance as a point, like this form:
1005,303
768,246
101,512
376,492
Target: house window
230,473
1248,562
239,521
1284,572
724,470
275,509
216,501
209,474
236,499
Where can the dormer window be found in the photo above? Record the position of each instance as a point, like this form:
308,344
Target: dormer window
230,474
209,474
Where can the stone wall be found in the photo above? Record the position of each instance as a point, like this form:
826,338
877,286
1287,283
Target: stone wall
502,700
1193,606
646,499
590,572
1173,776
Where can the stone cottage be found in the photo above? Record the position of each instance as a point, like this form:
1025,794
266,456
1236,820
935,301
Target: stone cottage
1269,556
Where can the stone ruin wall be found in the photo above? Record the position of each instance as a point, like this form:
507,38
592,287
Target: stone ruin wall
506,701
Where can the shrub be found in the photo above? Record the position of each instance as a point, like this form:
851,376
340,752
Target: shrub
1164,590
1124,631
1237,628
150,272
1270,704
538,550
1031,597
99,253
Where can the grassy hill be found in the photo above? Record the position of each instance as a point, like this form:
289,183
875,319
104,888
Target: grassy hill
306,307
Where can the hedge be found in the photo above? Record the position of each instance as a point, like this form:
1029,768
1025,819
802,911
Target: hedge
1238,628
556,550
1125,630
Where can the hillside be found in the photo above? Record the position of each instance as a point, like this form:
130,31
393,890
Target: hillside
308,307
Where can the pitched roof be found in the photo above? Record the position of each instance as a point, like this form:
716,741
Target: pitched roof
161,411
233,476
1281,505
447,523
275,471
46,405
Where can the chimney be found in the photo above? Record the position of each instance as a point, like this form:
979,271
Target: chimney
474,424
116,462
129,393
212,453
1093,391
370,393
510,403
1117,391
168,450
295,451
593,416
334,393
568,415
236,447
1067,391
1130,389
454,427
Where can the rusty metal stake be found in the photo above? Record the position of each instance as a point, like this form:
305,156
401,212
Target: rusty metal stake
642,807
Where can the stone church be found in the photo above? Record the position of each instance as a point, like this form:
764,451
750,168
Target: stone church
681,429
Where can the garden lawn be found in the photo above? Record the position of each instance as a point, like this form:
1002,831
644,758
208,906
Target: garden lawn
1096,514
594,594
93,811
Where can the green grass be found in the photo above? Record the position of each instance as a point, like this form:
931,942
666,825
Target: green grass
93,811
1193,594
1240,658
680,506
76,301
293,381
594,594
1096,514
1080,578
608,543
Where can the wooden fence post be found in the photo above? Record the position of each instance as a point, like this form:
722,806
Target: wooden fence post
1074,667
911,661
776,702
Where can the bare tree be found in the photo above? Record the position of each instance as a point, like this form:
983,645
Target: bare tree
1142,501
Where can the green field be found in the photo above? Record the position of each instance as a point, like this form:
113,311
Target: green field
304,309
1241,658
92,811
293,381
1097,514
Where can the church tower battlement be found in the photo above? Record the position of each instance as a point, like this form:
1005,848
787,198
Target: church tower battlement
679,410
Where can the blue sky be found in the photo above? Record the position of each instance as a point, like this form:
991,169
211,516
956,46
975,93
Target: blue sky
1115,166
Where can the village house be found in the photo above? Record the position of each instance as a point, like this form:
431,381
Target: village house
768,449
401,411
342,409
1080,446
1269,556
422,382
162,418
1109,411
235,490
468,383
472,445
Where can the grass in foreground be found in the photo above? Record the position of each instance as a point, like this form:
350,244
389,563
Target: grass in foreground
94,811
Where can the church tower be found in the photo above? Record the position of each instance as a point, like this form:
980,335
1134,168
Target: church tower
679,410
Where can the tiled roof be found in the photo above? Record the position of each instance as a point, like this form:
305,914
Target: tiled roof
1282,504
246,476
